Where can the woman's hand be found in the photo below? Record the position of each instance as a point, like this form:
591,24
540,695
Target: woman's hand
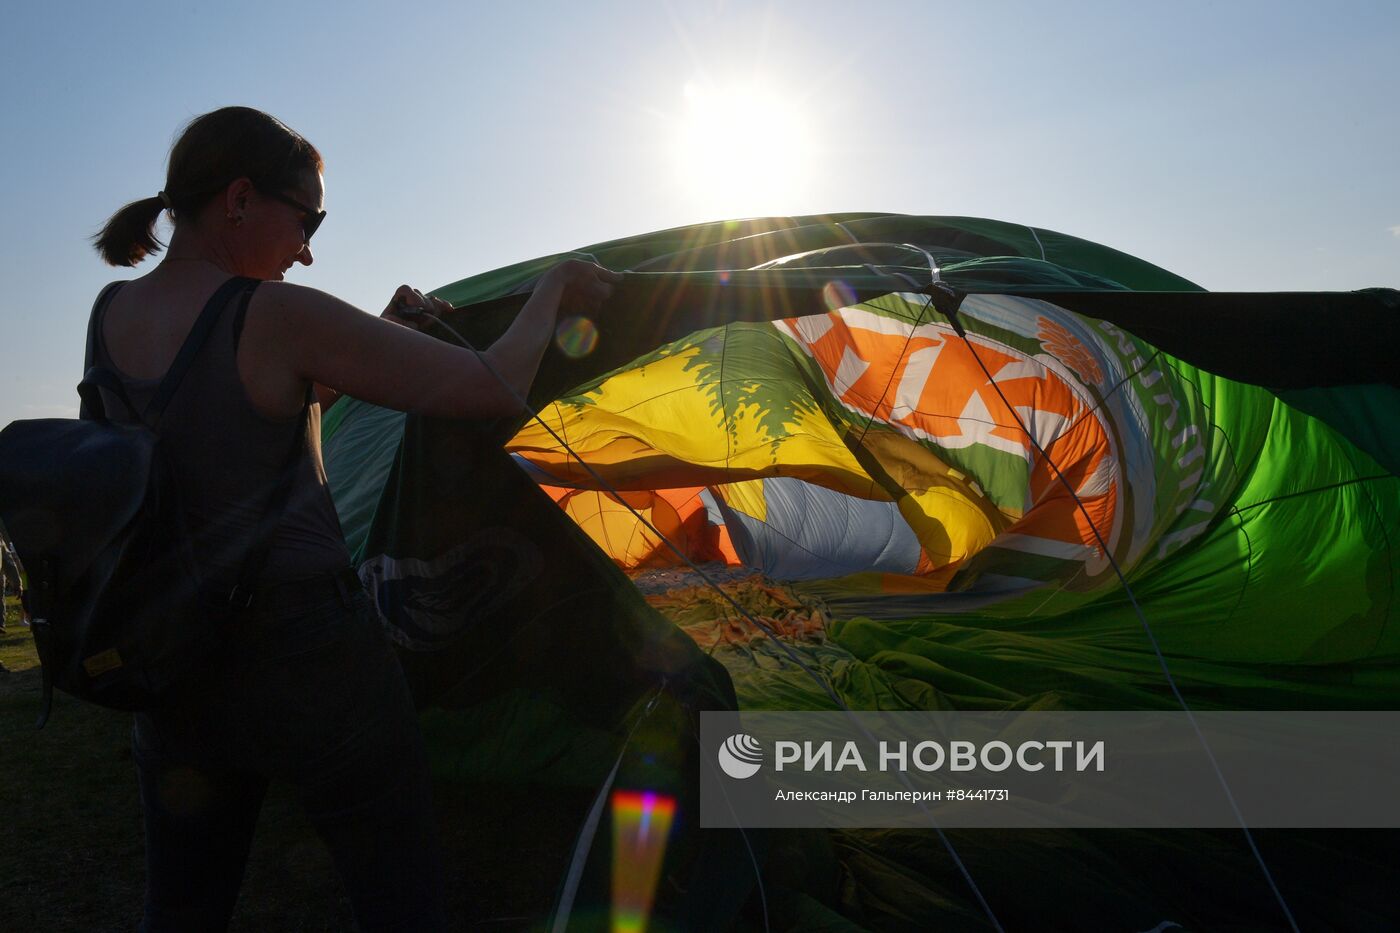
583,286
409,307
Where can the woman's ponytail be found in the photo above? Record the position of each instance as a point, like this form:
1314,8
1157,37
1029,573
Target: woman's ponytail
129,235
212,151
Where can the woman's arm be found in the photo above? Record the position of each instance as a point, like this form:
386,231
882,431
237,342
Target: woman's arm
324,340
410,308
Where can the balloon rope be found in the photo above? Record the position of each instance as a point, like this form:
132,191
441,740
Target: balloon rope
950,311
772,635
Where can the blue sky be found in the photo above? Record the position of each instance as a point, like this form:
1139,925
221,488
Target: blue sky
1246,146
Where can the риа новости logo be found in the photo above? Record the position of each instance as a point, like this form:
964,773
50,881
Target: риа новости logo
740,756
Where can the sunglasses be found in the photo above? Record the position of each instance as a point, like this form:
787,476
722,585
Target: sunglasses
310,223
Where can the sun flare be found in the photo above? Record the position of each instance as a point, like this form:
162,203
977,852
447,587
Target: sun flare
742,149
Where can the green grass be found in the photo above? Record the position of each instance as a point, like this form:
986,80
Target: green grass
72,856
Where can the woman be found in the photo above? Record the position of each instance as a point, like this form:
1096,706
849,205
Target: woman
307,689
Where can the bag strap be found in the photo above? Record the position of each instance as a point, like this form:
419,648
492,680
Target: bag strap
38,608
203,326
92,408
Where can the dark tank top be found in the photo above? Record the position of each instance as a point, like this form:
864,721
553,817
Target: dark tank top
227,458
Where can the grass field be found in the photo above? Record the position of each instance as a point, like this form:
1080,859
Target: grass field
72,857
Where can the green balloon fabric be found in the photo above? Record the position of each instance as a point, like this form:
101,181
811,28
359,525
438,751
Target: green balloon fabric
1233,457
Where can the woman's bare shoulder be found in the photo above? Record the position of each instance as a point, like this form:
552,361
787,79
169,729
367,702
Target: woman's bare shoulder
297,299
299,316
305,332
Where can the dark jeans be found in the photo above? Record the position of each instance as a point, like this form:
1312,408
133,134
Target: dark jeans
313,695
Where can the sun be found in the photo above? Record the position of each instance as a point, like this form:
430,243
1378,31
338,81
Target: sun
743,149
